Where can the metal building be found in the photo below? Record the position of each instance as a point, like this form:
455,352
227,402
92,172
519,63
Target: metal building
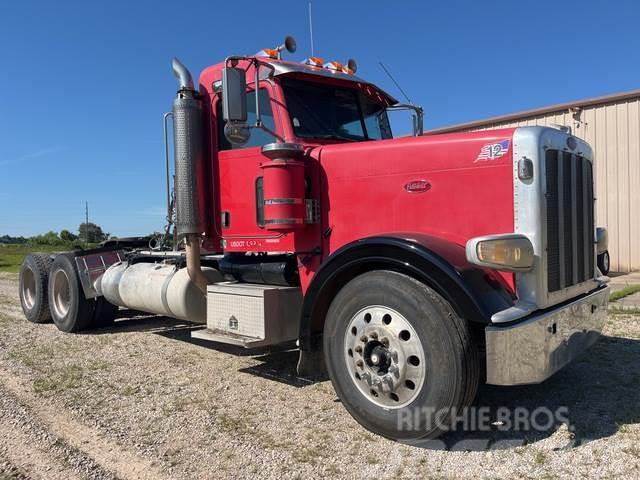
611,125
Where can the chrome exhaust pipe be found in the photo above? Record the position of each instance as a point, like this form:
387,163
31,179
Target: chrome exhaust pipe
189,158
194,267
182,74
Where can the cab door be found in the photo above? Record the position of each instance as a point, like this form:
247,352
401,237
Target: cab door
240,177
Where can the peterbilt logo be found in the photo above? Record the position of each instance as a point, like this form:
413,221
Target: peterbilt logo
417,186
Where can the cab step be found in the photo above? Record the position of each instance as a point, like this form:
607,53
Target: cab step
221,336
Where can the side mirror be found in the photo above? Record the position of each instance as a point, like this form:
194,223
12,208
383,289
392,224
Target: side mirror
234,105
234,95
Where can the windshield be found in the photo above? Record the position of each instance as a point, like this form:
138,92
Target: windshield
324,111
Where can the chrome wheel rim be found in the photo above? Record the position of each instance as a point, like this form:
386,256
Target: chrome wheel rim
384,356
28,288
61,293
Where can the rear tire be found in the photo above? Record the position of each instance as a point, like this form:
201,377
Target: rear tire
429,369
34,278
70,310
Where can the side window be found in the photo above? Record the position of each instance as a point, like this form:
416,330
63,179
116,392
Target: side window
375,119
377,124
258,136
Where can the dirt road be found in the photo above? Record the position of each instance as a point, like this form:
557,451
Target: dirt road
142,400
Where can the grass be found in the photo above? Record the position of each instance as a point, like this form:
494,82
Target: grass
626,291
12,255
67,377
624,311
633,451
53,370
539,458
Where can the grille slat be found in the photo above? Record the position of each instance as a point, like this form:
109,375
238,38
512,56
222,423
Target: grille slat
561,220
585,217
553,237
567,204
582,248
569,196
590,220
573,162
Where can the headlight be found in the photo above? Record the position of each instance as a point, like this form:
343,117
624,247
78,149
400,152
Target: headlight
511,252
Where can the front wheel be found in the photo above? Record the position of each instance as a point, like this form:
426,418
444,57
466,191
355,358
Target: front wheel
400,359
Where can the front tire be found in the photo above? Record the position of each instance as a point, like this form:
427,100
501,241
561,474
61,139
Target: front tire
70,309
604,262
400,359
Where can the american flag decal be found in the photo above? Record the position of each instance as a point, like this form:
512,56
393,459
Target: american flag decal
491,151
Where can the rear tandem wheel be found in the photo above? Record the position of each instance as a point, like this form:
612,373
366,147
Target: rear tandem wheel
34,278
70,309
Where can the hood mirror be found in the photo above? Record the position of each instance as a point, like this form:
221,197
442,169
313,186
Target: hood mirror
237,133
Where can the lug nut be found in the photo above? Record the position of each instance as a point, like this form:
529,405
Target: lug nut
358,349
374,335
384,341
364,338
360,363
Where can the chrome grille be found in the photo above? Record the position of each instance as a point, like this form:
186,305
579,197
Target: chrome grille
570,237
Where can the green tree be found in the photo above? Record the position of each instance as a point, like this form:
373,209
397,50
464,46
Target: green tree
92,233
49,238
67,236
10,239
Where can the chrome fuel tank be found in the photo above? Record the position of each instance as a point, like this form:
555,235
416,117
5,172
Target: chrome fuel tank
157,288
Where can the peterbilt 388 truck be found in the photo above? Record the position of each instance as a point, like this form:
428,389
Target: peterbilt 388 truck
411,268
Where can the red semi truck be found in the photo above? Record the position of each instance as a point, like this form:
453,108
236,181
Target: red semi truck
413,268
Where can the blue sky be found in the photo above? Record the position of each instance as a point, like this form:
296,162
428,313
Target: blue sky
84,84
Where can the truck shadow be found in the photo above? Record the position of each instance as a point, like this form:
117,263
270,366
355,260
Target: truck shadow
280,366
278,362
595,397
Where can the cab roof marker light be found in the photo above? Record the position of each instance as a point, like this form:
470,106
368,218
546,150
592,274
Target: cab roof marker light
314,62
335,66
268,52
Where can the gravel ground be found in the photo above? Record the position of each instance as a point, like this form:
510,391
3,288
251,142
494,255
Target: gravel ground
142,400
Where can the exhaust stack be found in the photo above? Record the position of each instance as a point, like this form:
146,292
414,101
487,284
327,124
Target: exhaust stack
182,74
189,157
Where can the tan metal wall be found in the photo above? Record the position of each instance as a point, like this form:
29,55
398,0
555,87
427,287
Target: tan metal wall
613,130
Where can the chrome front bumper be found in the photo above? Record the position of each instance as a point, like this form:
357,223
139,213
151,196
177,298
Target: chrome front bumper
533,349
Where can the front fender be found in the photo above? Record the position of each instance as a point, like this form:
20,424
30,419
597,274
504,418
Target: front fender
474,292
